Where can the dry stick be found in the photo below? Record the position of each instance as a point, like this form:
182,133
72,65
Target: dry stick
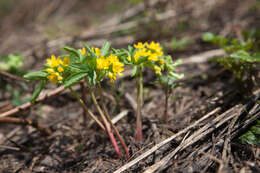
10,135
159,145
119,116
28,104
203,57
9,148
86,108
224,117
139,86
44,130
111,123
11,76
107,125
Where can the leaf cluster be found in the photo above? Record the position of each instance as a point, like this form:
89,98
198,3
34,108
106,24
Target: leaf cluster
242,55
252,136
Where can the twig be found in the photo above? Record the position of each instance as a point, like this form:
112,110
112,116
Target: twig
10,135
35,124
9,148
11,76
203,57
159,145
28,104
205,130
119,116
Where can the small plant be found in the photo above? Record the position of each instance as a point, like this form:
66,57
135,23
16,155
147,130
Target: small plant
11,63
168,82
242,55
181,44
252,136
144,55
93,65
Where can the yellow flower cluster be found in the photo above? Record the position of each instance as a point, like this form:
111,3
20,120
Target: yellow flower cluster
152,51
97,51
56,67
110,63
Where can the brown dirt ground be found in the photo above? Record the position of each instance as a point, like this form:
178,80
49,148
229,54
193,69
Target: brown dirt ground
75,147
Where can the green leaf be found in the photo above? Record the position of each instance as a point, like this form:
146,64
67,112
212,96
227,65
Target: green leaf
92,78
175,75
38,90
177,63
36,75
256,57
74,79
78,68
249,138
73,51
133,73
256,129
243,55
105,49
89,50
208,37
181,44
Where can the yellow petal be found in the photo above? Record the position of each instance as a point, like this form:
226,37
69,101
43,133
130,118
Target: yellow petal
60,69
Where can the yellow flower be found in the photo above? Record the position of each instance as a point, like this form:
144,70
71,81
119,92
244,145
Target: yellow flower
154,46
157,70
49,70
82,51
102,63
54,77
161,61
53,62
111,76
60,69
66,61
96,50
118,67
153,57
128,58
139,45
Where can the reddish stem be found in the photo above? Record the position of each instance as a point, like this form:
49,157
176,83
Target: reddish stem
107,125
113,141
111,123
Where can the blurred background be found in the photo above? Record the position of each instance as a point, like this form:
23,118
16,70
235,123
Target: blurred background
30,30
34,25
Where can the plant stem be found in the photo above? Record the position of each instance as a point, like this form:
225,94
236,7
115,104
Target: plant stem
107,125
83,96
166,105
86,108
111,123
139,83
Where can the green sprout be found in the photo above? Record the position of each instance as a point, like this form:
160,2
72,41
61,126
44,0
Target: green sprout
242,56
